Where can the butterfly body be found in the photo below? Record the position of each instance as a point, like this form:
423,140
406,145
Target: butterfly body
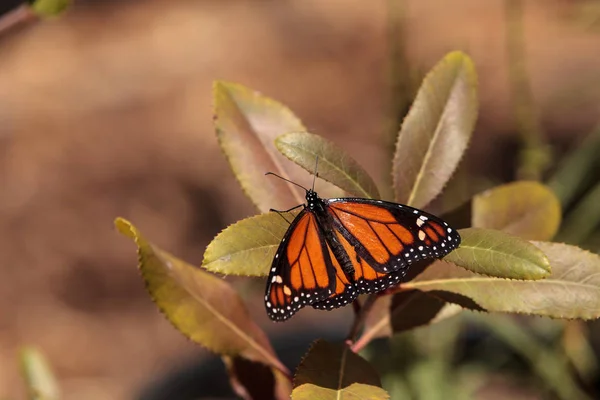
327,224
336,249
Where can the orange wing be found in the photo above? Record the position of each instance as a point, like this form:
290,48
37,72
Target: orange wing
382,240
302,271
390,236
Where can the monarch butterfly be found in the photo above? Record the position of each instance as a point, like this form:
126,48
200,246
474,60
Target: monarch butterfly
336,249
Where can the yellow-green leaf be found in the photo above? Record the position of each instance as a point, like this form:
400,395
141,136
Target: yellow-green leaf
335,165
495,253
436,131
572,290
49,8
527,209
202,306
39,379
248,246
247,124
333,371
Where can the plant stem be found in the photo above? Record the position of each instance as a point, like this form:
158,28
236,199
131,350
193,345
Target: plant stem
17,16
583,220
576,171
399,89
534,155
360,313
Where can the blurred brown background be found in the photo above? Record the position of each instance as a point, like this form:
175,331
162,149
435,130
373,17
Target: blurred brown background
106,112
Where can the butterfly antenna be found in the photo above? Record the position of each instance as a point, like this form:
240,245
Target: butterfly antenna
287,180
316,173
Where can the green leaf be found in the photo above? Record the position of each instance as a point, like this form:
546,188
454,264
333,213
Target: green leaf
202,306
335,165
248,246
333,371
247,124
571,291
526,209
41,384
436,131
495,253
49,8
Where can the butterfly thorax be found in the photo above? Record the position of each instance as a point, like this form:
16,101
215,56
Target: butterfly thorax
318,207
327,224
313,200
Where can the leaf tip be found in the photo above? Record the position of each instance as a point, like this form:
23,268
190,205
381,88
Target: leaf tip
220,86
544,264
221,91
460,56
125,227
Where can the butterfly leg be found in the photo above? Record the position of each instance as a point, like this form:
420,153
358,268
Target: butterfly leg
286,211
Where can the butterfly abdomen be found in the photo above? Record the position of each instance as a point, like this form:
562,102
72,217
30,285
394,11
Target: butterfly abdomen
342,257
326,225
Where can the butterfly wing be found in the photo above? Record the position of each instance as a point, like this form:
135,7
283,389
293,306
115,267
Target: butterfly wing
382,239
302,271
390,236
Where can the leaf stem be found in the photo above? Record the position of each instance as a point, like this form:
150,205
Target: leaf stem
14,17
284,372
360,313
